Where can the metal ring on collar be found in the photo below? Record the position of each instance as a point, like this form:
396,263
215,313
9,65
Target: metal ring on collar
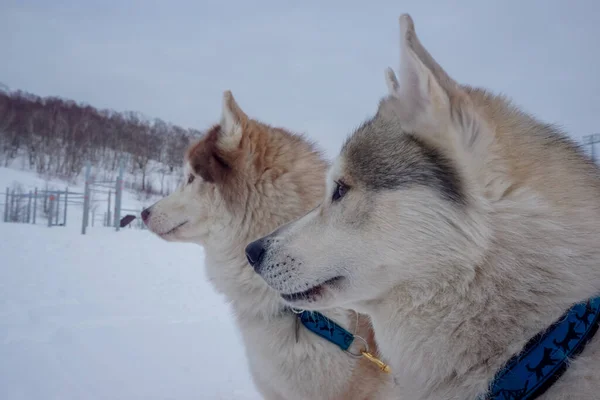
366,348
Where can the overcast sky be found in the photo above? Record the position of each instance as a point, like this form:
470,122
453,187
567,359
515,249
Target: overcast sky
312,66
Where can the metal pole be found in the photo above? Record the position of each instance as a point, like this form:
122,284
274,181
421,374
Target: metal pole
119,194
53,209
93,216
66,202
86,197
50,209
12,206
57,208
29,208
107,215
35,196
591,140
6,206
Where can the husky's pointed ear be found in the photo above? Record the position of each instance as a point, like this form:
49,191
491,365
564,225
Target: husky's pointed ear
419,91
391,82
427,100
232,122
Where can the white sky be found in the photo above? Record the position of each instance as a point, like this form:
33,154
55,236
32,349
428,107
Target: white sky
311,66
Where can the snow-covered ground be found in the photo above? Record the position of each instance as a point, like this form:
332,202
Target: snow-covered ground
110,315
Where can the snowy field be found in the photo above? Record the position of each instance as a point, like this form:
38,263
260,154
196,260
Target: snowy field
110,315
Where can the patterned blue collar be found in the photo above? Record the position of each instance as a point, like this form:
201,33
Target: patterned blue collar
526,375
329,330
326,328
546,356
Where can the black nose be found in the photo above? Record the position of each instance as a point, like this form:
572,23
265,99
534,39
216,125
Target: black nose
255,252
145,214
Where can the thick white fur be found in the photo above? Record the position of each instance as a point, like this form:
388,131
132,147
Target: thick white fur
455,290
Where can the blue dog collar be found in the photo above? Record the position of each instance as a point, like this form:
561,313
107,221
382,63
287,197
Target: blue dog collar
545,357
526,375
329,330
326,328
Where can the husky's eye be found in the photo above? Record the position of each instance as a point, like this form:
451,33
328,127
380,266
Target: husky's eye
340,191
191,179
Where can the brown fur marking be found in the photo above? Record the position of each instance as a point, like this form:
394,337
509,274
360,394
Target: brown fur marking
205,158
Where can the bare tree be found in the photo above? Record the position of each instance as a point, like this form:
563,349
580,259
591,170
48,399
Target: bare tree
57,136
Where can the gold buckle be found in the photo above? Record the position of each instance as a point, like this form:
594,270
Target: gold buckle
366,354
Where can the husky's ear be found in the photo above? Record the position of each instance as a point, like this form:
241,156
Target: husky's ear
214,155
232,122
207,159
391,82
426,99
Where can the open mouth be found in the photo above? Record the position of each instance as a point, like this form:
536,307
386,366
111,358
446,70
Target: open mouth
174,229
312,293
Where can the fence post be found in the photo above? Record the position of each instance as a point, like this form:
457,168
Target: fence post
65,211
6,206
119,194
12,206
57,208
86,198
29,208
50,209
107,218
35,196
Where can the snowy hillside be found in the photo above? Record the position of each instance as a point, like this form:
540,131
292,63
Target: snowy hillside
110,315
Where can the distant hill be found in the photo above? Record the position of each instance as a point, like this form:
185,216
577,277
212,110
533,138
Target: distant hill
58,136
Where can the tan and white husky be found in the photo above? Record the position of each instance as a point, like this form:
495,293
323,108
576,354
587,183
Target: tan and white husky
243,179
462,225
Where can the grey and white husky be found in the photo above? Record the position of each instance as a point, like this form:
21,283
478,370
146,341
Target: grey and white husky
462,225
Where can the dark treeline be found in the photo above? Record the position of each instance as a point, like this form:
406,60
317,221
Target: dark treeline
57,136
